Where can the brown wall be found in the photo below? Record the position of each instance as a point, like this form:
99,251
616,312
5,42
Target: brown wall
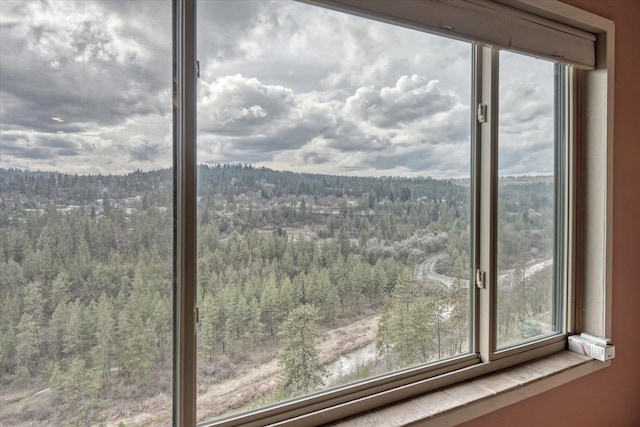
610,397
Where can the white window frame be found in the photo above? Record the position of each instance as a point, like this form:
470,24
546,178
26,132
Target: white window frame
589,253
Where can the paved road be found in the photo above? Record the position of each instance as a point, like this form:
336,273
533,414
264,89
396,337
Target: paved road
427,270
507,278
528,271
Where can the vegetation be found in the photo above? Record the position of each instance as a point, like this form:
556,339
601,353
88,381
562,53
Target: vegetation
86,286
302,370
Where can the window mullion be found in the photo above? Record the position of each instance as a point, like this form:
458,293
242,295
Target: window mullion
186,214
487,175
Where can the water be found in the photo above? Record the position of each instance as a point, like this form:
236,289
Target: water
348,363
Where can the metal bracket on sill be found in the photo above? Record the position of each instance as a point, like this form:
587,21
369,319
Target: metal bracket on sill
595,347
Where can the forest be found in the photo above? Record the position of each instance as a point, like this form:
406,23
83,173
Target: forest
284,260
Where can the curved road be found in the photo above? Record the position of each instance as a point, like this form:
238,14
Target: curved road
427,270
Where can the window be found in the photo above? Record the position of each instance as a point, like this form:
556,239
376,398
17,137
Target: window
334,202
86,212
531,208
365,206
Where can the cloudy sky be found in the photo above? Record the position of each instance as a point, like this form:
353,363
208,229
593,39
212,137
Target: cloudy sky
85,87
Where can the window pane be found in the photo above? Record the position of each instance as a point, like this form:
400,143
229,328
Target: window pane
333,201
527,204
86,214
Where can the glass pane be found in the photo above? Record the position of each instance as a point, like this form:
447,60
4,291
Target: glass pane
333,201
86,214
527,203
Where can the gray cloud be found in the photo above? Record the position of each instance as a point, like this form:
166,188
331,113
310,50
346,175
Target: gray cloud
359,94
38,147
221,24
85,63
144,151
283,84
236,105
526,120
411,98
391,128
80,68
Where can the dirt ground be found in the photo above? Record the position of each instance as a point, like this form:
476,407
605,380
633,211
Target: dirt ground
255,379
260,380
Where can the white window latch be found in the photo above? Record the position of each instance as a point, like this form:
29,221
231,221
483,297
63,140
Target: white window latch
481,113
481,279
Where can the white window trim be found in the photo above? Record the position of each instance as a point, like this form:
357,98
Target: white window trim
593,261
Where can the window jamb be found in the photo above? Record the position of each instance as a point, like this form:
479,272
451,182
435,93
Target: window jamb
597,185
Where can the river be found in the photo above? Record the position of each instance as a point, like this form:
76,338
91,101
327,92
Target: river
347,363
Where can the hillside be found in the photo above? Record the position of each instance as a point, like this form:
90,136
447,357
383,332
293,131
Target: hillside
87,284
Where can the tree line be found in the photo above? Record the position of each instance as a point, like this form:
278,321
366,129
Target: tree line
87,282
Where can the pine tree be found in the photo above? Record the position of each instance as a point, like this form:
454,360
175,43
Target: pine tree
57,329
102,352
384,338
9,319
229,337
269,306
253,325
74,336
162,325
208,322
34,302
27,342
79,388
137,345
299,356
404,329
59,291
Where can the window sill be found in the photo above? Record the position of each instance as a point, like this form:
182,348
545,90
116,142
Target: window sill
464,401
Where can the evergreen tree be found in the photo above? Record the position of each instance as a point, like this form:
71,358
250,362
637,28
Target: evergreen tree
59,292
269,306
162,325
209,318
137,345
27,342
57,328
9,319
78,335
384,337
405,323
34,302
102,352
299,356
78,387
